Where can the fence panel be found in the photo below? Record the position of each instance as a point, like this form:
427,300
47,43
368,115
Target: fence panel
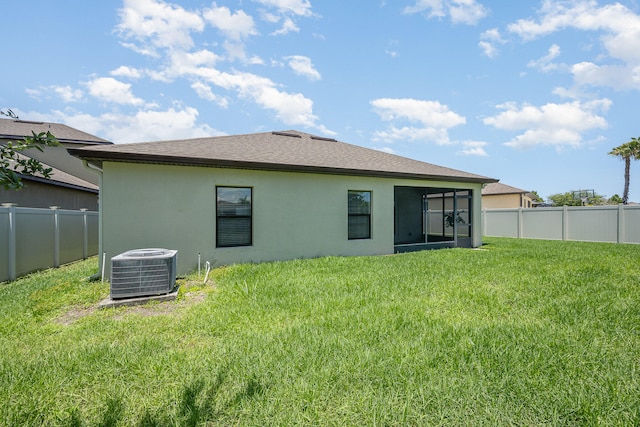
71,242
501,222
4,245
630,226
595,224
35,244
619,224
542,224
35,239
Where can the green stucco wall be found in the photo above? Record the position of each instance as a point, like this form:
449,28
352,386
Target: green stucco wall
295,215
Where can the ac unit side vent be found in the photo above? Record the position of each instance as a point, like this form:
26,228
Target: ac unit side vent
143,272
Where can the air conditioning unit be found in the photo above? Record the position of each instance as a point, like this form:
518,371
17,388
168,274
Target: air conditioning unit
143,272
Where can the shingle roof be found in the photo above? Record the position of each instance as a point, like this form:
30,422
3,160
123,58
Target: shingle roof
284,151
18,129
59,178
499,188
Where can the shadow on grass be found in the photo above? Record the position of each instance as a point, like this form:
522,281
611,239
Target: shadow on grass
199,403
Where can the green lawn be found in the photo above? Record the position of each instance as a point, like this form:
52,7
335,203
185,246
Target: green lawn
520,332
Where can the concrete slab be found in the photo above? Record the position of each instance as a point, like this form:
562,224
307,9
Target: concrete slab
126,302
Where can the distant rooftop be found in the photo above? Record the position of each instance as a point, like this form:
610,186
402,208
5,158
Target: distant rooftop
496,188
290,150
59,178
17,129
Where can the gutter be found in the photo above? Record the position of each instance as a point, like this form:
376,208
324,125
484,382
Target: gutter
98,170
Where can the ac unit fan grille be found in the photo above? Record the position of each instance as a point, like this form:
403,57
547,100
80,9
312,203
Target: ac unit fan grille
133,275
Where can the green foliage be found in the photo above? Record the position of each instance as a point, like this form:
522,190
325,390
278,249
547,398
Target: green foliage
519,332
12,165
615,200
626,152
569,199
564,199
536,196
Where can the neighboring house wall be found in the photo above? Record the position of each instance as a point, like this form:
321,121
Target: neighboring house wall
43,195
59,158
294,215
500,201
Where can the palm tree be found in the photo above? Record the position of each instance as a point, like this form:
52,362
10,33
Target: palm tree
627,151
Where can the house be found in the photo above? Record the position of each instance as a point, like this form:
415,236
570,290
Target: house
497,195
71,186
276,196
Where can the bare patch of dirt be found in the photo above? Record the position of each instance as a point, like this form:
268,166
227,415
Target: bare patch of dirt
149,309
74,314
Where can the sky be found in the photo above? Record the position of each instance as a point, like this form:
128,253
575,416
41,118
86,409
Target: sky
533,93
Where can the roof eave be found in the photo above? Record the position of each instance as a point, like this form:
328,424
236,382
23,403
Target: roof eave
4,137
98,158
57,183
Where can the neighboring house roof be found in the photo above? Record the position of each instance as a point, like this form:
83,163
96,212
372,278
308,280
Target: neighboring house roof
497,188
291,150
18,129
60,178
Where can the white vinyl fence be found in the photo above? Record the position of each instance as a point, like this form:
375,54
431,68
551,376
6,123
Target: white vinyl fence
35,239
617,224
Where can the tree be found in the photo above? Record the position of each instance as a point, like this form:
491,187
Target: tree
536,197
564,199
13,165
626,152
569,199
615,200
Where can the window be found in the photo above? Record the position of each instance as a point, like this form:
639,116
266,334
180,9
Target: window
359,214
233,217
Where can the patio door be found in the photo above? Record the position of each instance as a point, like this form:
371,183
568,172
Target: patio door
432,218
410,215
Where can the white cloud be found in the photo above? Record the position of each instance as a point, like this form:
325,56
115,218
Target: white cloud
620,36
460,11
579,14
466,11
302,66
129,72
619,77
164,30
295,7
473,148
236,26
156,24
546,64
433,119
488,41
204,91
173,123
67,93
558,125
109,89
158,125
288,26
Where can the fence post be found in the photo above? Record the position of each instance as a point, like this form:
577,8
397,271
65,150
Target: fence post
12,241
85,234
56,235
484,222
520,225
565,222
621,224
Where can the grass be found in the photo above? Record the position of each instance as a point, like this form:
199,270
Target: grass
521,332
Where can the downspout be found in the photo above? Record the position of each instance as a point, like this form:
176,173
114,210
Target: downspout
98,170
